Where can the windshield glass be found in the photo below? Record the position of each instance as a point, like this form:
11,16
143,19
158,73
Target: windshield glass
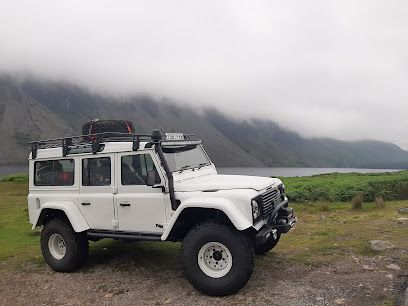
185,159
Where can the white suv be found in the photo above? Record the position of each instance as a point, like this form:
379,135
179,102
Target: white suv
146,187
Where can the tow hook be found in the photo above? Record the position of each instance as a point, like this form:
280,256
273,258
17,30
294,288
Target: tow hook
273,232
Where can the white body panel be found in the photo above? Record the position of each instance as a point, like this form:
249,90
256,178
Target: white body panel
64,198
237,218
147,205
96,202
150,208
225,182
72,211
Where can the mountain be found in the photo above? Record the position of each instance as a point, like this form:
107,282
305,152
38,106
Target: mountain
37,110
23,119
275,146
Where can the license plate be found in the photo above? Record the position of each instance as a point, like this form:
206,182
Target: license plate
174,136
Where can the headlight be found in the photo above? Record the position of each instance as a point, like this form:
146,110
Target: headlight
282,191
256,210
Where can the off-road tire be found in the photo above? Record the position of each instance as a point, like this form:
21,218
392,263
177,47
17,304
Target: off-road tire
76,245
268,245
240,247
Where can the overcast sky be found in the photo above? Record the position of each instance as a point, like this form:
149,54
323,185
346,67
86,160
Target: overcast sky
322,68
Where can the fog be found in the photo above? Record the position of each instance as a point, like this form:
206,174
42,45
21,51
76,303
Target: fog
322,68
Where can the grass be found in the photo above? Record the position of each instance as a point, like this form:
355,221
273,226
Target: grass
325,231
342,187
17,241
334,187
19,177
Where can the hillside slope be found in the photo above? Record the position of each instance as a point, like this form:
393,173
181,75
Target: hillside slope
33,110
274,146
22,119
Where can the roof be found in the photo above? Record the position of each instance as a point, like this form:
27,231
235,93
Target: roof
107,142
108,147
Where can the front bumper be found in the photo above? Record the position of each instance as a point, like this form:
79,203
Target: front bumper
280,221
284,228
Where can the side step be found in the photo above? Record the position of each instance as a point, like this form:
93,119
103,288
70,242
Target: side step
96,235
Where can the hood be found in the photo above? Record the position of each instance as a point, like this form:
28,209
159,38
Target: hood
224,182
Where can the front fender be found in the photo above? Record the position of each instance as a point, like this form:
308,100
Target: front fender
72,212
236,217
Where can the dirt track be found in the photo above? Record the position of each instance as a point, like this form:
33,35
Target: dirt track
155,277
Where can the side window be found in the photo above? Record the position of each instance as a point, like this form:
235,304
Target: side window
136,168
54,172
96,171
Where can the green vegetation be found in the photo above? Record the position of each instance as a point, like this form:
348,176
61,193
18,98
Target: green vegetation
17,241
326,232
342,187
19,177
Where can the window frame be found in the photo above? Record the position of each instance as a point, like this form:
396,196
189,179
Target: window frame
35,184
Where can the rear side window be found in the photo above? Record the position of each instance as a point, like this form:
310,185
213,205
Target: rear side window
96,171
54,172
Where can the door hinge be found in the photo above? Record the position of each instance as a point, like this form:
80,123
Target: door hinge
114,190
115,224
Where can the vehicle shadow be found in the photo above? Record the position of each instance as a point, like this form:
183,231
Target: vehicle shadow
128,256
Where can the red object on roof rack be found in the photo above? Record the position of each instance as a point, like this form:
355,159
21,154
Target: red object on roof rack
97,126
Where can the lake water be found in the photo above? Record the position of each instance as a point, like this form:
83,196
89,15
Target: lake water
6,170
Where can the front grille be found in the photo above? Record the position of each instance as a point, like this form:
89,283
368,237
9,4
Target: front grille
269,199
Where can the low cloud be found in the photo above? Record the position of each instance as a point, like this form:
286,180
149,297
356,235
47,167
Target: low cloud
323,68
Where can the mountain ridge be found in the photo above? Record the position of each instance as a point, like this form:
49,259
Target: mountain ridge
31,110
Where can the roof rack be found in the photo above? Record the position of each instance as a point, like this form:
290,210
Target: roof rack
95,142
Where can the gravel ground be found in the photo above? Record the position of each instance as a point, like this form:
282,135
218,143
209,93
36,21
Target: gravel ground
156,278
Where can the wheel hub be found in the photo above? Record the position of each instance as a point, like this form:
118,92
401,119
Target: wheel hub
215,259
56,246
217,255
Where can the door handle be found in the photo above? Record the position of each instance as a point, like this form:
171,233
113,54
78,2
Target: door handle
85,203
124,204
161,187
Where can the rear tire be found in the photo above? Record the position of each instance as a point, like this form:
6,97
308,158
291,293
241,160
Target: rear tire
63,249
217,259
268,245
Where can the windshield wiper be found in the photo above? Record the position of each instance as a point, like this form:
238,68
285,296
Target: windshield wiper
202,165
199,166
184,168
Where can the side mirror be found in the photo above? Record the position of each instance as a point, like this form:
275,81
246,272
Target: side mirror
151,178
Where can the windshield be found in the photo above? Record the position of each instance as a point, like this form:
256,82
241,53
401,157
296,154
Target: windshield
188,158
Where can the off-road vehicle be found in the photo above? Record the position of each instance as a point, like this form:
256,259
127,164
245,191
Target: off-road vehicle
151,187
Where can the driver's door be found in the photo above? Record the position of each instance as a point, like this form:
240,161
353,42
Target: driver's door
140,208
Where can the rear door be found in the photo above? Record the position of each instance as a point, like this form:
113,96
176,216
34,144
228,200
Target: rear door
96,191
140,208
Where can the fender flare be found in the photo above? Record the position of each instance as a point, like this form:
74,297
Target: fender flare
236,217
71,210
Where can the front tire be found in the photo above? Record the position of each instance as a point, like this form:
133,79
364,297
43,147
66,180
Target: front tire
217,259
63,249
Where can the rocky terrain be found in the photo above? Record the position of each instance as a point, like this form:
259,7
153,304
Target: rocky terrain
149,276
